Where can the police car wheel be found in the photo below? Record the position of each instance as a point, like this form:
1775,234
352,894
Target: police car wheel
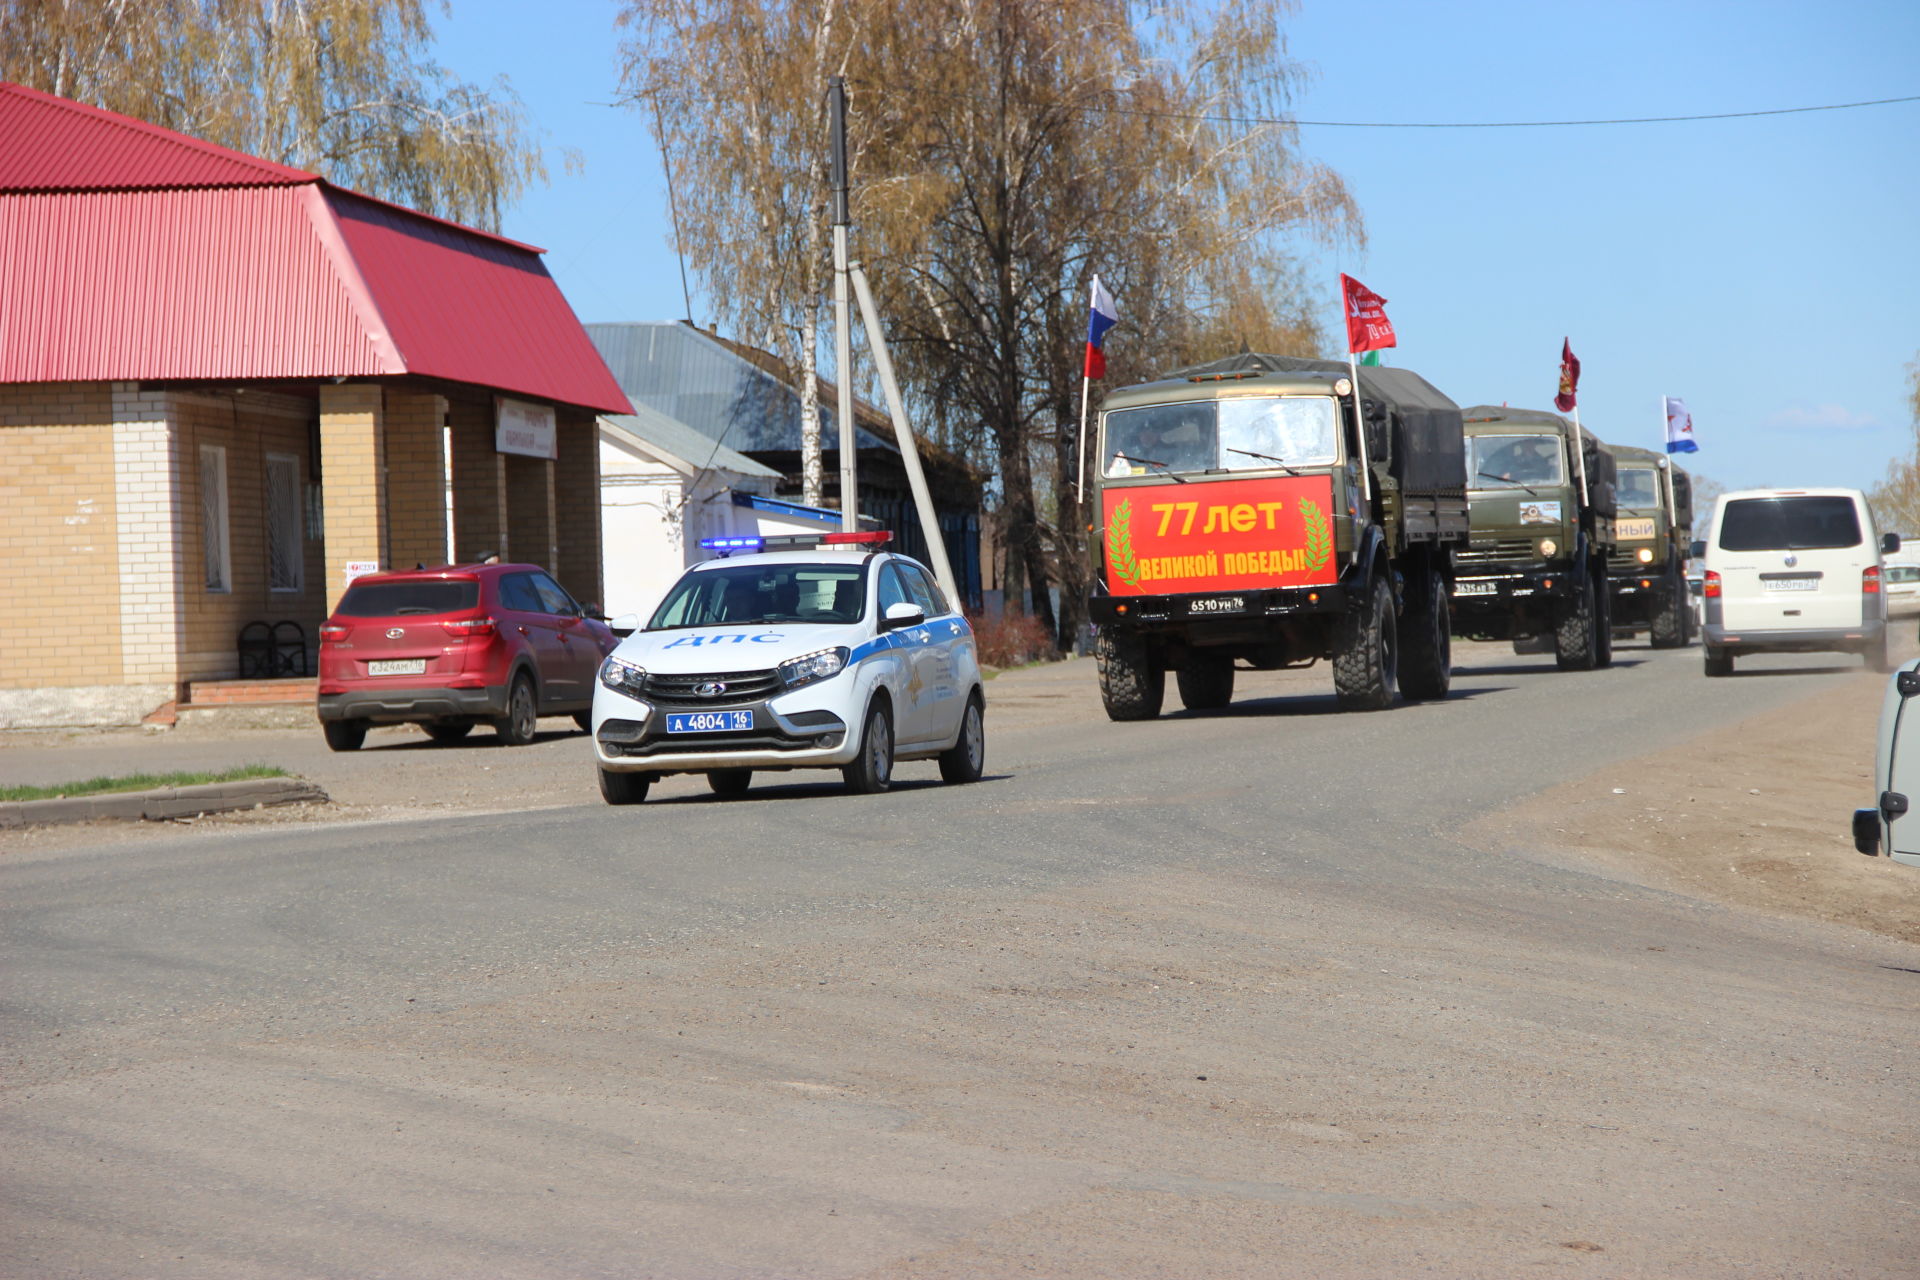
730,782
966,759
623,788
872,770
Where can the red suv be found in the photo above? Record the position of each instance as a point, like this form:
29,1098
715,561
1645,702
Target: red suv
453,647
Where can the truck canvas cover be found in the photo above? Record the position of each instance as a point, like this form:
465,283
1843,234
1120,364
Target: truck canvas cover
1601,473
1425,450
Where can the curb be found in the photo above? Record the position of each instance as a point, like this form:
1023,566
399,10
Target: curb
165,802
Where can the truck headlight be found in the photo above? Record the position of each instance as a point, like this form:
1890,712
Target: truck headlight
809,667
622,676
1646,555
1547,547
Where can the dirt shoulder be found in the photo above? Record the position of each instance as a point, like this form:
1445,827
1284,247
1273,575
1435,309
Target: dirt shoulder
1754,814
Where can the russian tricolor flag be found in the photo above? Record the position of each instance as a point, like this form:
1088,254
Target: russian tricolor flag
1102,316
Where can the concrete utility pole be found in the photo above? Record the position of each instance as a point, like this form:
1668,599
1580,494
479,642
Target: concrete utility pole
842,309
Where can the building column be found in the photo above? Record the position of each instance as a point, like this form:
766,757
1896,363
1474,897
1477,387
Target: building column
532,534
151,529
353,480
416,478
577,488
479,482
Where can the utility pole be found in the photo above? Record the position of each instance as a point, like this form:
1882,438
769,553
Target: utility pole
842,309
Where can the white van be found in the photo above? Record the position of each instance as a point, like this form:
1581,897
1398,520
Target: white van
1794,571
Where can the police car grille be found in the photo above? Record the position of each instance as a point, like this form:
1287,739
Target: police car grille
683,691
1496,551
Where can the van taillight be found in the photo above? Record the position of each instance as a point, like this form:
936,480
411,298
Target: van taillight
1870,580
469,627
332,631
1710,586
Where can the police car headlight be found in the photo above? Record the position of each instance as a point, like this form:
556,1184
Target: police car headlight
1646,555
622,676
808,667
1547,547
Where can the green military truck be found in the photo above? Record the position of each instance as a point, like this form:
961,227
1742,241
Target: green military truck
1535,568
1246,518
1653,532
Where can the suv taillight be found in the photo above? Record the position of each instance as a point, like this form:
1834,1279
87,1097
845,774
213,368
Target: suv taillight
469,627
1710,585
1870,580
330,631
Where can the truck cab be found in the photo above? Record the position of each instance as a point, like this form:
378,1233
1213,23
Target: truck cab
1541,496
1653,532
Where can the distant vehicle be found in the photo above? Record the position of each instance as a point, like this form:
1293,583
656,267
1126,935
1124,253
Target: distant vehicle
1535,570
1901,581
1653,532
1795,571
1890,825
455,647
1248,515
798,652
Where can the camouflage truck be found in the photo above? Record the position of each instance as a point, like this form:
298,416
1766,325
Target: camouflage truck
1245,517
1653,533
1535,568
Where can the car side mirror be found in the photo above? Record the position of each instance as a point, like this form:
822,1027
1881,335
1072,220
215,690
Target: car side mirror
592,611
624,625
1908,683
902,615
1889,543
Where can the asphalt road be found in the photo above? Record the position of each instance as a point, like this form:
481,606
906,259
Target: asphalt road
1221,995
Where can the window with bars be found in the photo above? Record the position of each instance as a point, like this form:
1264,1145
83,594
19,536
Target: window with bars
286,555
214,546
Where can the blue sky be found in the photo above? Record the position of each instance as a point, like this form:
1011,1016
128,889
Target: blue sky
1767,270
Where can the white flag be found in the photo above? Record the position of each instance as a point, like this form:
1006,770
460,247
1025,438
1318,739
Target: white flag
1679,428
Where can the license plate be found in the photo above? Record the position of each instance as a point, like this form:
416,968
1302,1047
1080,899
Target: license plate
1791,584
709,721
397,667
1476,588
1218,604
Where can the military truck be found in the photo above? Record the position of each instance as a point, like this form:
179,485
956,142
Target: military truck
1653,532
1535,568
1245,517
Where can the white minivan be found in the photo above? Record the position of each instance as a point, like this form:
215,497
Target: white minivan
1794,571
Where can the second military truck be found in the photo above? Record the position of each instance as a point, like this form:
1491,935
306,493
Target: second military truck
1535,569
1249,515
1653,531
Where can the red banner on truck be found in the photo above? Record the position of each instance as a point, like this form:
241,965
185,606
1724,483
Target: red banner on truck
1175,539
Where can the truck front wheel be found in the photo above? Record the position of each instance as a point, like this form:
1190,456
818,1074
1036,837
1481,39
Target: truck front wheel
1670,615
1367,652
1426,641
1132,685
1573,637
1206,682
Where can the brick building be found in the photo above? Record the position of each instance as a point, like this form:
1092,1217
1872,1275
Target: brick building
227,385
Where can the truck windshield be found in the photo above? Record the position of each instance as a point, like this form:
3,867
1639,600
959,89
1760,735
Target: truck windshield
1639,487
1512,462
1240,433
1802,523
749,593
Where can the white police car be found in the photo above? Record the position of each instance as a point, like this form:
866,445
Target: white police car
791,653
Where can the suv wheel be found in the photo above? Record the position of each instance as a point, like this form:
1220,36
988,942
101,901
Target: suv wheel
344,735
1366,656
624,788
966,759
516,727
872,770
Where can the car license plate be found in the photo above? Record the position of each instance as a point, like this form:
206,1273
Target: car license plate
1476,588
709,721
397,667
1217,604
1791,584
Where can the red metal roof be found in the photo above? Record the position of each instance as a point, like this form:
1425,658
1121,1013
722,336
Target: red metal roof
152,256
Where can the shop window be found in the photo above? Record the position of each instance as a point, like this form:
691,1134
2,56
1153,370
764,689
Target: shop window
286,554
214,545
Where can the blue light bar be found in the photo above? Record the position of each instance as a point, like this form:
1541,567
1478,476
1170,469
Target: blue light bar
732,544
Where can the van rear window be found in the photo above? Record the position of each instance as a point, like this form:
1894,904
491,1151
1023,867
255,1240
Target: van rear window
1789,524
390,599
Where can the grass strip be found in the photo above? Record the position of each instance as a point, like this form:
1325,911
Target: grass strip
138,782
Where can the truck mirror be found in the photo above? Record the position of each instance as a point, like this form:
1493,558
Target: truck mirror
1375,411
1908,683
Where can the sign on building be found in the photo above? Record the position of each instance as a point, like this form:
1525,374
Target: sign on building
524,428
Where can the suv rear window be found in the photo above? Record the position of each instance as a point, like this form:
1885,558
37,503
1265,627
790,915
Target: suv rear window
1789,524
389,599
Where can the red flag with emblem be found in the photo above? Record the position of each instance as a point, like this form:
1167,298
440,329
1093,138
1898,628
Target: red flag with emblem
1368,328
1569,379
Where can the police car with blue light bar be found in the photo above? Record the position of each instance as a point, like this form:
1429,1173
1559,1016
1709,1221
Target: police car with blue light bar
804,652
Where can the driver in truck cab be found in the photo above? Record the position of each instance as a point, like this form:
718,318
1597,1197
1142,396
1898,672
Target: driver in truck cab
1182,445
1525,461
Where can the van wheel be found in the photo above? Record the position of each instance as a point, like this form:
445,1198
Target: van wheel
966,759
872,770
1132,685
1669,625
1206,682
624,788
1719,662
1426,642
344,735
1573,637
1366,655
730,782
516,727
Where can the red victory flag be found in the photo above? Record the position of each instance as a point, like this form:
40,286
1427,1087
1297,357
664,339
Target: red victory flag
1569,379
1368,328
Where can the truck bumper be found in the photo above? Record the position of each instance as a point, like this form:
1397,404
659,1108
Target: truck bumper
1273,603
